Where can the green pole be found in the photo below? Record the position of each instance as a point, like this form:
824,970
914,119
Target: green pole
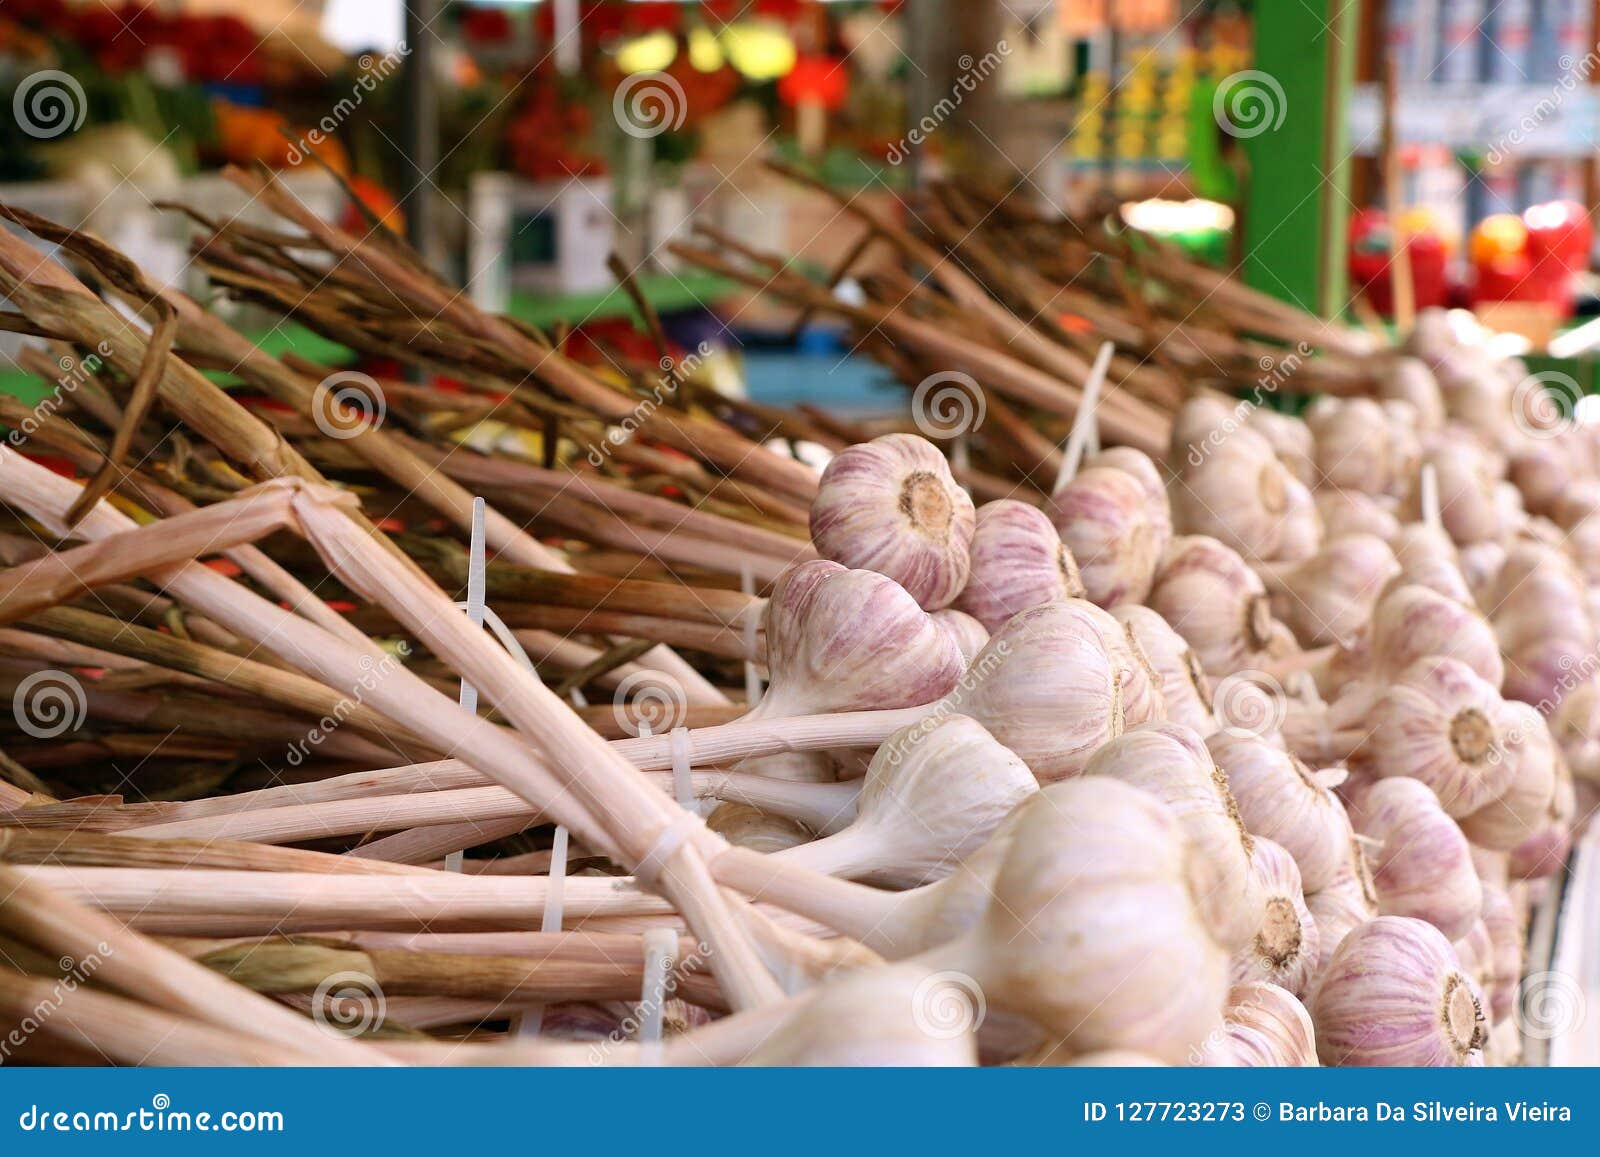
1290,113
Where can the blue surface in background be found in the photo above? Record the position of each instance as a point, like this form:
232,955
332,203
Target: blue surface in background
833,379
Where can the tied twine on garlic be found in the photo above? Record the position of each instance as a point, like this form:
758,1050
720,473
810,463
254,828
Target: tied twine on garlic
891,506
1395,994
1017,561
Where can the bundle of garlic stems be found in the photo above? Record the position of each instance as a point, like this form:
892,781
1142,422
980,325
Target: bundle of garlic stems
1289,721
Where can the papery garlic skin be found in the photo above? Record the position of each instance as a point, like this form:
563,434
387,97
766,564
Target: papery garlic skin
1440,723
1237,494
1279,800
1423,866
969,635
1412,622
1265,1027
1018,561
1428,558
1410,380
1045,687
1137,677
1352,512
746,827
1521,810
1095,910
1352,441
1303,534
1185,690
1329,599
1172,763
892,506
1290,439
1506,951
1395,994
1284,950
1103,517
1147,474
1218,604
850,640
898,1015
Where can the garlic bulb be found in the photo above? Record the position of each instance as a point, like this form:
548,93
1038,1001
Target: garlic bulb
1394,994
1575,726
1343,906
1542,671
1412,622
1018,561
1185,690
1238,494
969,635
1095,910
1410,380
1266,1027
1283,950
900,1015
1137,678
1280,800
1302,533
850,640
1329,598
1147,474
1423,866
1519,812
1103,516
1505,957
1428,558
747,827
1216,602
1542,470
1290,439
1172,763
1539,594
891,506
1480,566
1352,441
1046,687
1466,494
1405,444
1352,512
1440,723
933,795
1476,952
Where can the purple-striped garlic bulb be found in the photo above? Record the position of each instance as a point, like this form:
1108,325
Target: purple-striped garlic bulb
1466,492
891,506
1412,622
1480,566
1172,763
1505,942
1442,724
1422,866
1343,906
970,636
1428,558
1137,677
850,640
1103,516
1218,603
1302,526
1046,687
1543,470
1280,800
1018,561
1265,1026
1395,994
1476,952
1353,444
1147,474
1539,594
1283,950
1290,439
1410,380
1522,809
1329,598
1575,726
1352,512
1184,687
1236,493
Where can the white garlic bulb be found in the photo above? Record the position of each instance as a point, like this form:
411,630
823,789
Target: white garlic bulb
1284,949
1410,380
1466,493
850,640
1352,512
1280,800
1018,561
1046,687
1172,764
1237,494
967,633
1428,558
1103,516
1302,533
1395,994
891,506
1290,439
1184,688
1422,866
1440,723
1352,440
1139,681
1328,599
